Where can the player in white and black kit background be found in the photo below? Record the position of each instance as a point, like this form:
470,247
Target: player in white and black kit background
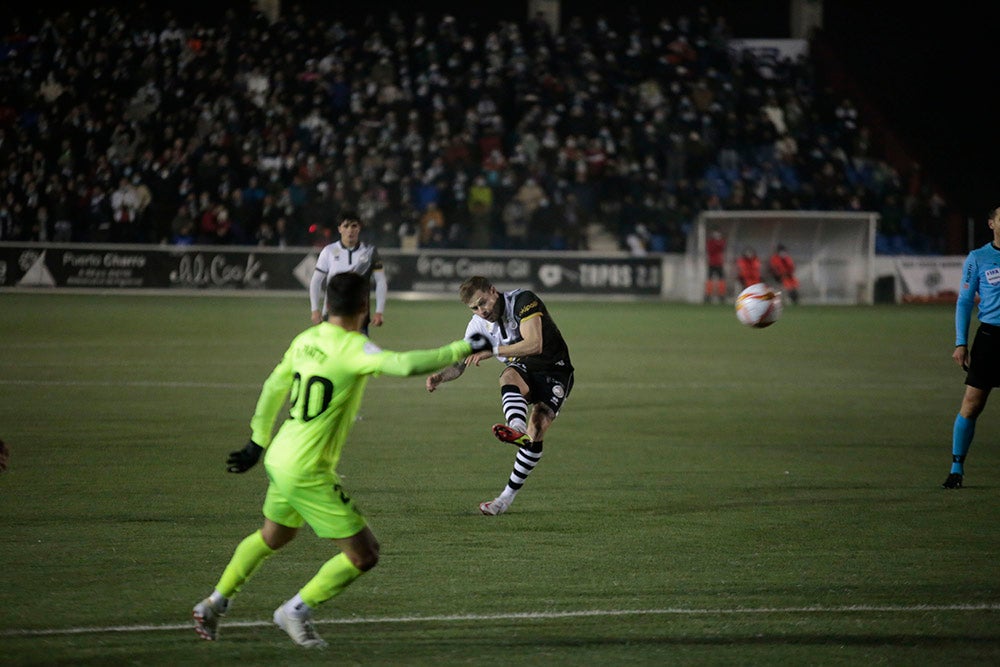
537,372
348,255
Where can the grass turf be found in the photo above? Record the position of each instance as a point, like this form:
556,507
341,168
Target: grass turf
711,494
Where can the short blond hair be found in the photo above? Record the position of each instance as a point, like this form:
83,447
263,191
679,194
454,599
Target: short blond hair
471,285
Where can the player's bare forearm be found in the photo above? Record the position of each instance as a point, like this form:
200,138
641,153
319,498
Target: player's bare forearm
531,342
446,374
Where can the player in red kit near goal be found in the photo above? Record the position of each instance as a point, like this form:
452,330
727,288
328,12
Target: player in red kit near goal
783,269
748,268
715,283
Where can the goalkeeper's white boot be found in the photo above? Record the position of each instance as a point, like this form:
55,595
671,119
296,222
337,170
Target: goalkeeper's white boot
494,507
206,619
300,629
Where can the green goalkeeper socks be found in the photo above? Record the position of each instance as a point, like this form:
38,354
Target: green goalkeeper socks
250,554
335,575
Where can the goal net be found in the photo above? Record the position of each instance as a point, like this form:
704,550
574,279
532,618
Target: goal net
834,251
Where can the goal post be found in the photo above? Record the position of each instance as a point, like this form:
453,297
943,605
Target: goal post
834,251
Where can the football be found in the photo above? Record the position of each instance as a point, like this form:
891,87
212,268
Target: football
758,306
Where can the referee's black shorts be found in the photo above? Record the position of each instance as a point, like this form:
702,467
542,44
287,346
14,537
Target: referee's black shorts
984,364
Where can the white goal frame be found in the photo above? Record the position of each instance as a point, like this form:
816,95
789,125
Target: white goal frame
834,251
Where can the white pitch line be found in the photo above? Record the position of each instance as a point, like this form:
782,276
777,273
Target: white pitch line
128,383
179,385
852,609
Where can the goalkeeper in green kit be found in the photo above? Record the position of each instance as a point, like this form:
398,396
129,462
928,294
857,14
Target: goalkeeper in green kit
323,375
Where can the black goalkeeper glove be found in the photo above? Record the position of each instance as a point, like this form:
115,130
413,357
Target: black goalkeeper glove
244,459
479,342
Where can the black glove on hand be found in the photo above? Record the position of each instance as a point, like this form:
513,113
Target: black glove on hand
479,342
244,459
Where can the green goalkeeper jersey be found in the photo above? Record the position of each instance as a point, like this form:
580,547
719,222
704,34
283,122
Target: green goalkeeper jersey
323,374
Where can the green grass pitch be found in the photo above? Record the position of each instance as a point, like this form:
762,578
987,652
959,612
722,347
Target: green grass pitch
711,494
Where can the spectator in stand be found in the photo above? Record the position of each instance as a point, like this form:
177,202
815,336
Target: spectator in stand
227,231
783,270
480,203
124,207
282,235
544,225
416,87
432,227
266,235
638,241
41,226
183,227
571,226
515,223
530,194
144,212
715,253
748,268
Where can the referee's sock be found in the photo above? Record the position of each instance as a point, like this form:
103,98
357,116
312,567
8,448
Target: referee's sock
961,440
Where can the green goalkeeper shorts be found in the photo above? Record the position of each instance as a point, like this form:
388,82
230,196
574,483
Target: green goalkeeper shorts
322,503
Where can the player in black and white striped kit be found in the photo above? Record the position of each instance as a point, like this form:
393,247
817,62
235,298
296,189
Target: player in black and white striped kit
537,372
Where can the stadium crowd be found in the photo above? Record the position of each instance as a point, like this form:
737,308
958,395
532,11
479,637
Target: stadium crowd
122,124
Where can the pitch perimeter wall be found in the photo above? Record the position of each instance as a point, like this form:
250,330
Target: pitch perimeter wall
422,273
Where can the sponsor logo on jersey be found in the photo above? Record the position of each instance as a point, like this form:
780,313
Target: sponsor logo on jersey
527,309
993,276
